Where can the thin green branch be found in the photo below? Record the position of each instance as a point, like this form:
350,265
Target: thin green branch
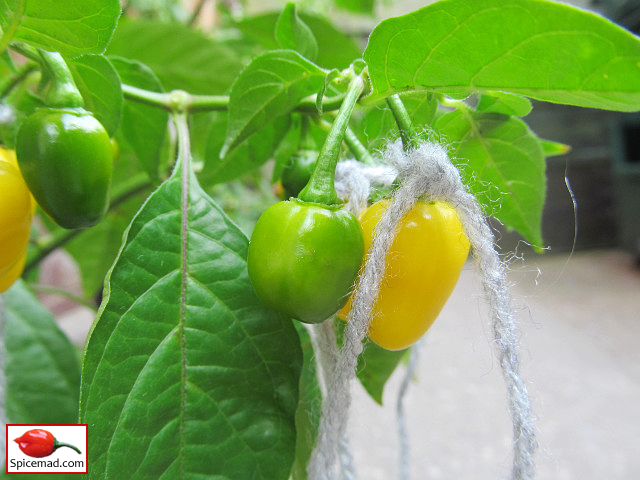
196,12
23,72
403,120
50,289
12,27
357,148
181,100
136,185
26,51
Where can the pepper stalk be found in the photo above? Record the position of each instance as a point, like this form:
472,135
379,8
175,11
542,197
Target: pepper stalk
321,188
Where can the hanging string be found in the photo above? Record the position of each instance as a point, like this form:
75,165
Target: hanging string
427,171
403,436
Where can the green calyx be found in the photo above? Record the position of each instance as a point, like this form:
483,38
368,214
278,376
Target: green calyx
63,92
320,188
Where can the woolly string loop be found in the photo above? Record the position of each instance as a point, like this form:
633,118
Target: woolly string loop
427,171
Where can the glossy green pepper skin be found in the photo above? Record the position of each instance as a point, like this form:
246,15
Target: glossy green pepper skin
66,159
304,258
297,172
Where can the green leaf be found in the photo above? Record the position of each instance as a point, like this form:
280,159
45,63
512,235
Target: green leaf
70,27
143,127
502,163
185,370
375,364
552,149
309,407
335,49
249,155
504,103
99,85
544,50
181,57
357,6
293,33
270,86
289,144
40,364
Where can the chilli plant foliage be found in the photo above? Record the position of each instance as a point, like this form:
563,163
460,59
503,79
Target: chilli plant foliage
185,373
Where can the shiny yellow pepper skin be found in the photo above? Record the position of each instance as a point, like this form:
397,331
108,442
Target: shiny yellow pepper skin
421,270
16,211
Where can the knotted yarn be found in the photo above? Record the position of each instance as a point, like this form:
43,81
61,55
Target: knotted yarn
426,172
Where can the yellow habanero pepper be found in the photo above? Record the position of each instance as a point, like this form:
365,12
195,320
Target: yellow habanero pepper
16,211
421,270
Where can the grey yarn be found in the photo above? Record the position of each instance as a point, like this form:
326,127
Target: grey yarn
402,423
326,346
427,171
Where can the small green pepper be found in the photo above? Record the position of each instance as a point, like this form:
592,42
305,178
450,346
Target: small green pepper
297,172
304,258
305,253
66,159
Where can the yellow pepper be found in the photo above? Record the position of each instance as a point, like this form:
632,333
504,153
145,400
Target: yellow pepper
16,211
421,270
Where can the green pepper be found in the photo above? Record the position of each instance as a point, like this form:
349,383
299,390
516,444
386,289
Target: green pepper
297,172
304,258
64,153
305,253
66,159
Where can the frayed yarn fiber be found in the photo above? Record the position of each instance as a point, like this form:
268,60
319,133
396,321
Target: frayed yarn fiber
424,172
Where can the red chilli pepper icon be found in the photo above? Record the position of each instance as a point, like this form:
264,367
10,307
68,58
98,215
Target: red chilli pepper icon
39,443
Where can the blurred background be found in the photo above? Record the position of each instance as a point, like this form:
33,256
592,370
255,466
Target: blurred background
578,304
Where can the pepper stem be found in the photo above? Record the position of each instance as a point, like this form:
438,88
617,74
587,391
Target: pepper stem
57,445
321,188
403,120
63,92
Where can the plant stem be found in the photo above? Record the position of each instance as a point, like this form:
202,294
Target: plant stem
357,148
167,101
207,103
403,120
50,289
320,188
11,83
137,184
26,51
63,92
10,30
196,12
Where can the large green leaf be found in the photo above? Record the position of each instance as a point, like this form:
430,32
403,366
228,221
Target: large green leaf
269,87
502,162
143,127
185,370
99,84
291,32
335,49
357,6
70,27
41,366
309,407
181,57
249,155
540,49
